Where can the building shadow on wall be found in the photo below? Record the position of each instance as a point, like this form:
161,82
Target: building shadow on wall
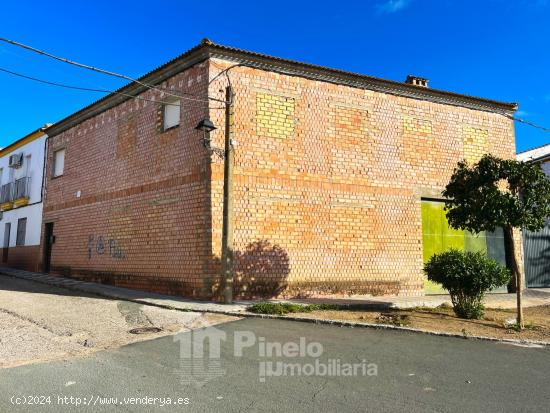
261,270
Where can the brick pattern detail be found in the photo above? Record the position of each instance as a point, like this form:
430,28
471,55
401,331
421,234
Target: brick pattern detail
274,115
475,143
126,136
418,140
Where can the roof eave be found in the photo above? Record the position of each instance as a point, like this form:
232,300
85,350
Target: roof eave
29,137
208,49
166,71
326,74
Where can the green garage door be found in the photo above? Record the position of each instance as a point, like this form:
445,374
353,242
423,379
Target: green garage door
438,236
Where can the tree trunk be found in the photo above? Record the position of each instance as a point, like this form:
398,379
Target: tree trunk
508,248
516,274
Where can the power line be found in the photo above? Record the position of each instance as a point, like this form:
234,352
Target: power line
87,89
106,72
53,83
110,73
47,82
526,122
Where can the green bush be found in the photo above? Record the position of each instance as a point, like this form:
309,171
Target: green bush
285,308
467,276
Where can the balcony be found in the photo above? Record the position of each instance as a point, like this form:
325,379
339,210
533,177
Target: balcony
21,191
6,196
15,194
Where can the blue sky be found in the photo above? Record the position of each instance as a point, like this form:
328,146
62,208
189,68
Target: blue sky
497,49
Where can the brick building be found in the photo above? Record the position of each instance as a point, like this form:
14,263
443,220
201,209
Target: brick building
336,182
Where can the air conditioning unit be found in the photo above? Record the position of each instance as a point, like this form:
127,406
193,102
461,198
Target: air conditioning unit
16,160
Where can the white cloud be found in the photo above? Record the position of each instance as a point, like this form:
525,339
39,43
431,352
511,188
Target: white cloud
392,6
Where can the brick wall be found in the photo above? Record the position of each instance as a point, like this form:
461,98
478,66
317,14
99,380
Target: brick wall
328,186
132,206
329,179
22,257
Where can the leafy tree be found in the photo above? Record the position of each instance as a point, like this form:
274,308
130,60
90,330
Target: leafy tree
467,276
499,193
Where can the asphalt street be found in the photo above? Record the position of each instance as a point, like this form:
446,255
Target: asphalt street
40,323
415,373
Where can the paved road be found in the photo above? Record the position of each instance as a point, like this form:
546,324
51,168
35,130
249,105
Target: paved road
43,322
416,373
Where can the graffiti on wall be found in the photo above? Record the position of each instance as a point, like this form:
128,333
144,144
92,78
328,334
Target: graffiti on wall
100,245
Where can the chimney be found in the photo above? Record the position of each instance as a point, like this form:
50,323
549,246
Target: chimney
416,81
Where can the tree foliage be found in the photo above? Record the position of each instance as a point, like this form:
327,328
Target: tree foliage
497,193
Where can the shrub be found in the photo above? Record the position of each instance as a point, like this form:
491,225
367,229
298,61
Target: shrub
467,276
285,308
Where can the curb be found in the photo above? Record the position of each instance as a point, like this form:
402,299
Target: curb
76,285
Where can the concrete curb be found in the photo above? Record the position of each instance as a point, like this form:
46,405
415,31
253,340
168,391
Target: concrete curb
103,291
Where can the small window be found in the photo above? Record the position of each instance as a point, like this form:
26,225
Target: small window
171,114
21,231
58,162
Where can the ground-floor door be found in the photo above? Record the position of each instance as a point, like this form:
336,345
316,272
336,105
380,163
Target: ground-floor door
48,242
536,252
438,236
5,250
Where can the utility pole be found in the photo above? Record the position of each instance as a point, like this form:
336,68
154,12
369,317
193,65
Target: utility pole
227,231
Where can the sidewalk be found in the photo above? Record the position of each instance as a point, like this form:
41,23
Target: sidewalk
531,297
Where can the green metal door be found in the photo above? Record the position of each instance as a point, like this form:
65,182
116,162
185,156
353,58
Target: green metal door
438,236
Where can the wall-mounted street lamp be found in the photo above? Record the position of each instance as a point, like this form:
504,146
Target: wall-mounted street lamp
207,126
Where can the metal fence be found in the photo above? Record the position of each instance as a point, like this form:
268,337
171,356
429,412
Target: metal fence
536,249
6,193
22,187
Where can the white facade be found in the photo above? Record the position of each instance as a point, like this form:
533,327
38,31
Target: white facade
542,154
32,167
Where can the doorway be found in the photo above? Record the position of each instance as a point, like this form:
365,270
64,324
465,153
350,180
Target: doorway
48,243
7,231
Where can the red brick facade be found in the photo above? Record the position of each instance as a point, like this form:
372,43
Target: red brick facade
327,186
142,216
22,257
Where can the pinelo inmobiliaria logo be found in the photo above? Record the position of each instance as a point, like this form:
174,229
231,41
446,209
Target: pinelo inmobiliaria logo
201,357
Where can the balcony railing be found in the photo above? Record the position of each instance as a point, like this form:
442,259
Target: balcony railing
6,193
22,187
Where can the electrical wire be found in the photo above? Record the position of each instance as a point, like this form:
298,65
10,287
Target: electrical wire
47,82
526,122
110,73
87,89
103,71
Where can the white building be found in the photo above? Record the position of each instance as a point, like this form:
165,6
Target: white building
540,154
21,193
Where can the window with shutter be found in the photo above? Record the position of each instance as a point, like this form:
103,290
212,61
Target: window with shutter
172,114
58,162
21,231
